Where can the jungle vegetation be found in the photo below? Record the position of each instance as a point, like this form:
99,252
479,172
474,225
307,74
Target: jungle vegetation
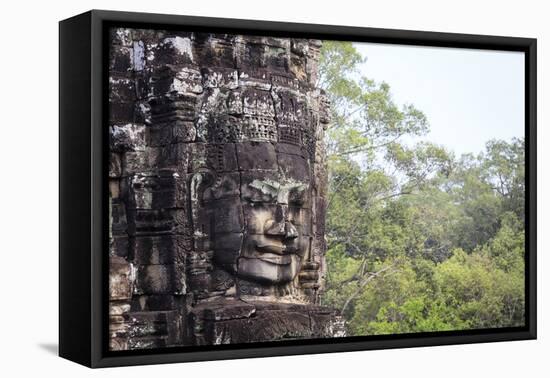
419,239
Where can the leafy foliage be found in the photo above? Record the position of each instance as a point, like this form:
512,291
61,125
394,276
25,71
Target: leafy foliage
419,240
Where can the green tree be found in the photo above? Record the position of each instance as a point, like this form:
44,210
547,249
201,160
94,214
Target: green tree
418,240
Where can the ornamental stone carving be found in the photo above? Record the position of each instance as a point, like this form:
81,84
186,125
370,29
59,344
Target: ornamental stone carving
217,184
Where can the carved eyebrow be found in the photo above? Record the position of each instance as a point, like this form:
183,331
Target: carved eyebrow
297,193
266,187
285,192
297,187
273,187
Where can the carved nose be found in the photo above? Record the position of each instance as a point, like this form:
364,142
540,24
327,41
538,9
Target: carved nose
285,229
290,231
274,228
280,226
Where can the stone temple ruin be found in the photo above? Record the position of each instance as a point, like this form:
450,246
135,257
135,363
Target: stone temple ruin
217,184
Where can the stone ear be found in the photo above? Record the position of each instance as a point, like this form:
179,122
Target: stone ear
200,181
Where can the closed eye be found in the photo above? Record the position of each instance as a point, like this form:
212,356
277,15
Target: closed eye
261,191
297,196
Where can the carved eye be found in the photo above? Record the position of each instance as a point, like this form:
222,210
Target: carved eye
255,196
297,196
297,201
258,191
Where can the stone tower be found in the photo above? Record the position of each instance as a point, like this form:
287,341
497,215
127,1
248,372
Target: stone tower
217,190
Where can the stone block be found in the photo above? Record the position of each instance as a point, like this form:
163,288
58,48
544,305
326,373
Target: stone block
319,217
256,155
228,215
120,245
148,159
219,77
173,108
252,189
257,103
119,307
127,137
221,157
291,149
294,167
157,302
121,112
115,165
259,325
165,82
227,248
121,60
175,50
154,250
161,190
114,188
229,310
226,185
164,134
121,279
122,89
157,279
157,222
300,217
256,215
217,50
119,222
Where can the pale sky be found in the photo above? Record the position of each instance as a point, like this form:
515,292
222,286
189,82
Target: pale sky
469,96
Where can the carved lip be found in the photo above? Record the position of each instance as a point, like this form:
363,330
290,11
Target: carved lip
279,249
275,258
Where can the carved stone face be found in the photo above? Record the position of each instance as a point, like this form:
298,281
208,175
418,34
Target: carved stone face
275,240
259,131
260,217
217,188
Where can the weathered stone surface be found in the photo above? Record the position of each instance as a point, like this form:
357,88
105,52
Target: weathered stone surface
228,247
158,279
160,190
119,223
120,279
222,157
119,245
227,185
148,329
115,166
158,222
152,159
157,302
217,185
121,60
114,188
228,215
294,167
126,137
256,155
169,80
258,193
234,322
154,250
220,77
172,132
177,107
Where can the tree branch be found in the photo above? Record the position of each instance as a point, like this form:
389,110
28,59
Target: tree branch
365,281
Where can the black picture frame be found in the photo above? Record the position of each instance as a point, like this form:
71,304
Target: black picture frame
83,213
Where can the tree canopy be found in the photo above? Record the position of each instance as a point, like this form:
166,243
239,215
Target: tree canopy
418,239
